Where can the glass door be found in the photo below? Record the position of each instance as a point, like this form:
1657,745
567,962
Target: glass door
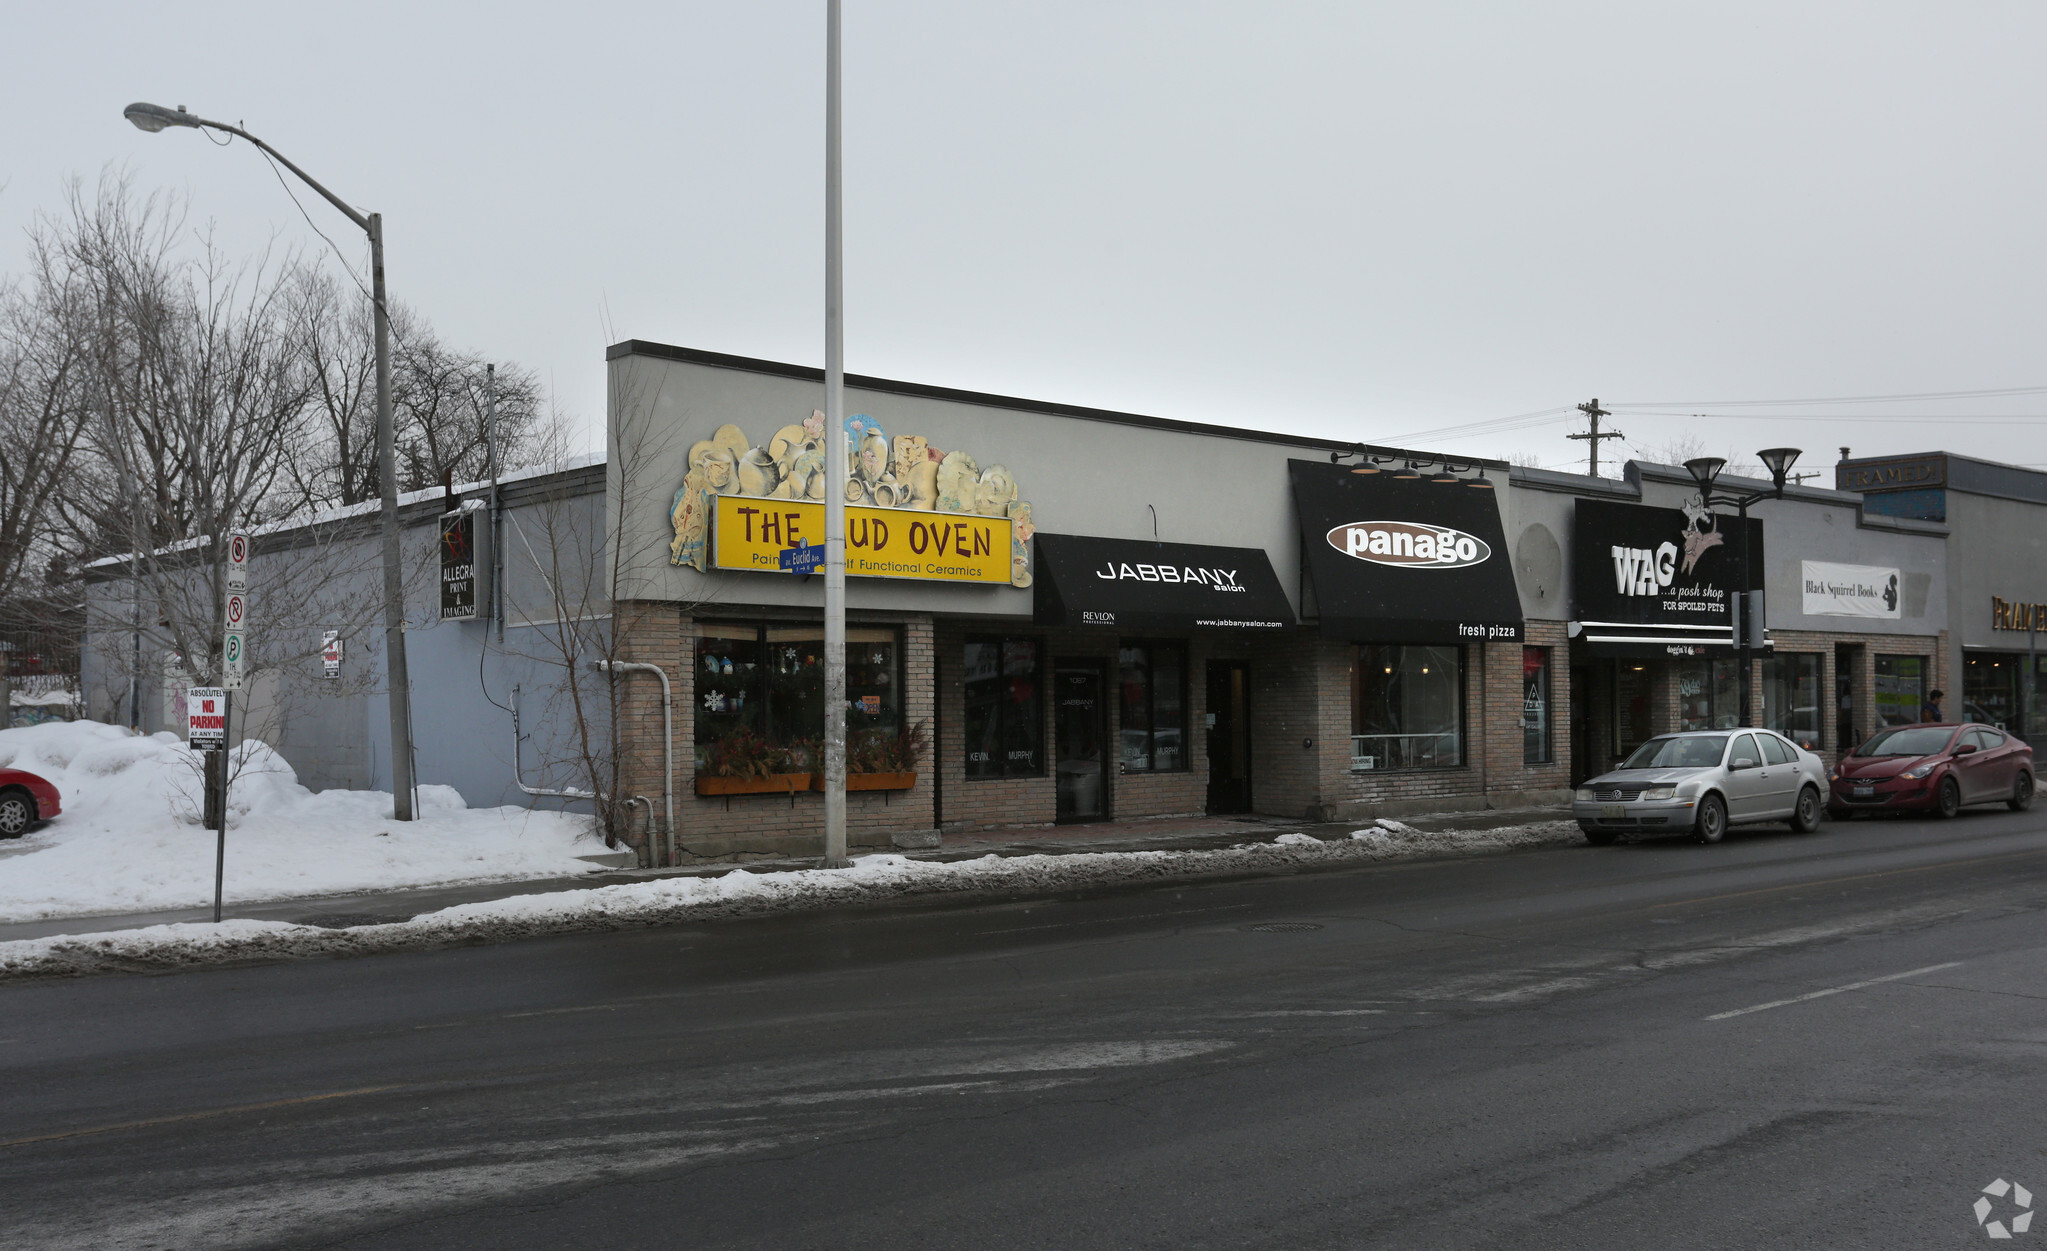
1079,736
1229,736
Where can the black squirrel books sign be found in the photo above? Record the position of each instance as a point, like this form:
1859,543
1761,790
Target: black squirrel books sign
1404,560
1659,581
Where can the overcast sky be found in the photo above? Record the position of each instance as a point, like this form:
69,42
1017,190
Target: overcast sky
1359,221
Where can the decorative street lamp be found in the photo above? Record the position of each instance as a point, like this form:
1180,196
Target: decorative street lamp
1705,470
154,118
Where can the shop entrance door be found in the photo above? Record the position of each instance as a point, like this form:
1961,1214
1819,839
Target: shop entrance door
1847,668
1229,736
1583,763
1080,735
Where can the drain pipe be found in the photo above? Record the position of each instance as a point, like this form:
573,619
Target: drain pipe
667,740
519,776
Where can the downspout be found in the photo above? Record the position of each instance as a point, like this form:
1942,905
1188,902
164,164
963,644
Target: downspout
667,740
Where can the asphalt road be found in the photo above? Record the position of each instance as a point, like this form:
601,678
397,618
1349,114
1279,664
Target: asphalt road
1829,1040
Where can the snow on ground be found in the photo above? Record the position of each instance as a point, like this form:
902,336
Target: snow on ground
739,893
129,839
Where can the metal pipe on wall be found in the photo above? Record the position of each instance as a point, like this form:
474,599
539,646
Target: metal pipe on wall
667,743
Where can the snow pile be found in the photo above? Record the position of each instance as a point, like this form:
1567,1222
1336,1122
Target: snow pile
129,839
871,879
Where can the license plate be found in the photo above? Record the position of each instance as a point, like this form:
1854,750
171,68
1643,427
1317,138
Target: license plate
1613,810
1865,790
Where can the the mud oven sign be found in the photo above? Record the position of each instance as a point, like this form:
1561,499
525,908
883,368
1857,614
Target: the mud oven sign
1404,560
913,510
1656,581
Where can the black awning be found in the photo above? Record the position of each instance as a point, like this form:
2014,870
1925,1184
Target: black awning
1404,560
1129,584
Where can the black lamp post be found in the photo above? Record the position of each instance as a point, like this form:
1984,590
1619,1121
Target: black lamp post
1705,470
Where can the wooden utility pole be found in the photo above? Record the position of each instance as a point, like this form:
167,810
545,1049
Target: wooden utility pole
1593,413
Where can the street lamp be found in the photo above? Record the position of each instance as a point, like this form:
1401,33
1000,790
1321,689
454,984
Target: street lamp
1705,471
154,118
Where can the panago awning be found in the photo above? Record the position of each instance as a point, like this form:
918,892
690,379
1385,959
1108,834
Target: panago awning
1404,560
1131,584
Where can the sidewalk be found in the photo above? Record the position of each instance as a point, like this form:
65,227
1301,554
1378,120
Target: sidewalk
1151,834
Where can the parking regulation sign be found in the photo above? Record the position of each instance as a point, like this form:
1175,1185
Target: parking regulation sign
237,561
206,717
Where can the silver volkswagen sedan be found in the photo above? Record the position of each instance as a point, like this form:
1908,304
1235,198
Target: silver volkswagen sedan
1704,781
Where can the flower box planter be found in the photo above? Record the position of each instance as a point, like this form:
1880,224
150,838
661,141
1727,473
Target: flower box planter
772,784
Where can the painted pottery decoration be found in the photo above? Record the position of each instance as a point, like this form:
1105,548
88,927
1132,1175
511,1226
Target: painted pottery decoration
900,472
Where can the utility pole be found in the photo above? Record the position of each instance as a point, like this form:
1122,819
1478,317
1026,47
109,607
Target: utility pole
1593,413
835,468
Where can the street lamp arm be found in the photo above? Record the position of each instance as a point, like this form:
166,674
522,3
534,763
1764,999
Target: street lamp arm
156,117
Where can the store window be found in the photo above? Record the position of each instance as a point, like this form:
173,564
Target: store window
1994,690
1791,697
1900,689
1005,723
1535,706
760,693
1407,707
1709,694
1152,679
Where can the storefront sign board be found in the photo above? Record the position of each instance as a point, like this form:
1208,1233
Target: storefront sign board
205,717
1131,584
2023,617
1833,590
1658,581
752,533
1909,473
1404,560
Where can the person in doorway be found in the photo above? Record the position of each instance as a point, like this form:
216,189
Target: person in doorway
1930,711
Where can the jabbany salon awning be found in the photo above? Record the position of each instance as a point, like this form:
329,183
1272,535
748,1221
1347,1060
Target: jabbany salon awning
1134,585
1405,559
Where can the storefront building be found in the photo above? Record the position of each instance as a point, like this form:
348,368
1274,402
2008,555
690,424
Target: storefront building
1055,615
1996,516
1641,578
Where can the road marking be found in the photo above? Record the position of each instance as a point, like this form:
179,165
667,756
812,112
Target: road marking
195,1116
1318,1012
1832,990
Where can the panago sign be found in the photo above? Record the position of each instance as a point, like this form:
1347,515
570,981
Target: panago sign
1409,544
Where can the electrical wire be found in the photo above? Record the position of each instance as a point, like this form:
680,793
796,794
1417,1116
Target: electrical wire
1836,399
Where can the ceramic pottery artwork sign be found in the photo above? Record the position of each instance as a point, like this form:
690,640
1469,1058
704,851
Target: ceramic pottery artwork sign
748,532
893,485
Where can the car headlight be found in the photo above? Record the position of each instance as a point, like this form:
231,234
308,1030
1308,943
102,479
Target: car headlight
1920,771
1585,793
1656,793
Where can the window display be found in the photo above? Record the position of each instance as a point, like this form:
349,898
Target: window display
1153,680
765,683
1535,714
1791,697
1407,707
1004,723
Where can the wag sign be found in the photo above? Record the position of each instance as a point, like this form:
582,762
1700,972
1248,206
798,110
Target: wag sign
206,717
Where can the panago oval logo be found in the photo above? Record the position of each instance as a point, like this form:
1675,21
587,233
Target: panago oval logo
1409,544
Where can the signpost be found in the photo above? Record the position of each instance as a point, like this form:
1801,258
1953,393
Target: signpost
206,717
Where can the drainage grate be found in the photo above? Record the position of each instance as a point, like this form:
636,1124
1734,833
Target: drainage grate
1283,927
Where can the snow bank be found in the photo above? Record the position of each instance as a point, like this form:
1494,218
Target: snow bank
129,839
871,879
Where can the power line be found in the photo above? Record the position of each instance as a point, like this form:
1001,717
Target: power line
1835,399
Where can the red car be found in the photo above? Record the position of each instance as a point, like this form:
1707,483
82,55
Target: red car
25,799
1933,768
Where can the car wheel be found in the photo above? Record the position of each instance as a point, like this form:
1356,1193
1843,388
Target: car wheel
1948,800
17,813
1806,818
1598,837
2021,793
1712,821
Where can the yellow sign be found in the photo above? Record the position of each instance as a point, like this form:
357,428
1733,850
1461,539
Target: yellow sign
751,533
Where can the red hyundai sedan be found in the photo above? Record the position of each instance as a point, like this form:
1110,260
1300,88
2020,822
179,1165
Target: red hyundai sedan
1933,768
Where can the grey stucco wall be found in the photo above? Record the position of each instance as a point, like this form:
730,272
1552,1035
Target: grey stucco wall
1081,476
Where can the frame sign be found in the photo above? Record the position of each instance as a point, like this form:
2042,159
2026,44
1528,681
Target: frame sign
330,653
465,565
206,717
237,561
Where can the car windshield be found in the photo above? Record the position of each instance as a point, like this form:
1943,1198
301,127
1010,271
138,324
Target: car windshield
1918,740
1700,751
